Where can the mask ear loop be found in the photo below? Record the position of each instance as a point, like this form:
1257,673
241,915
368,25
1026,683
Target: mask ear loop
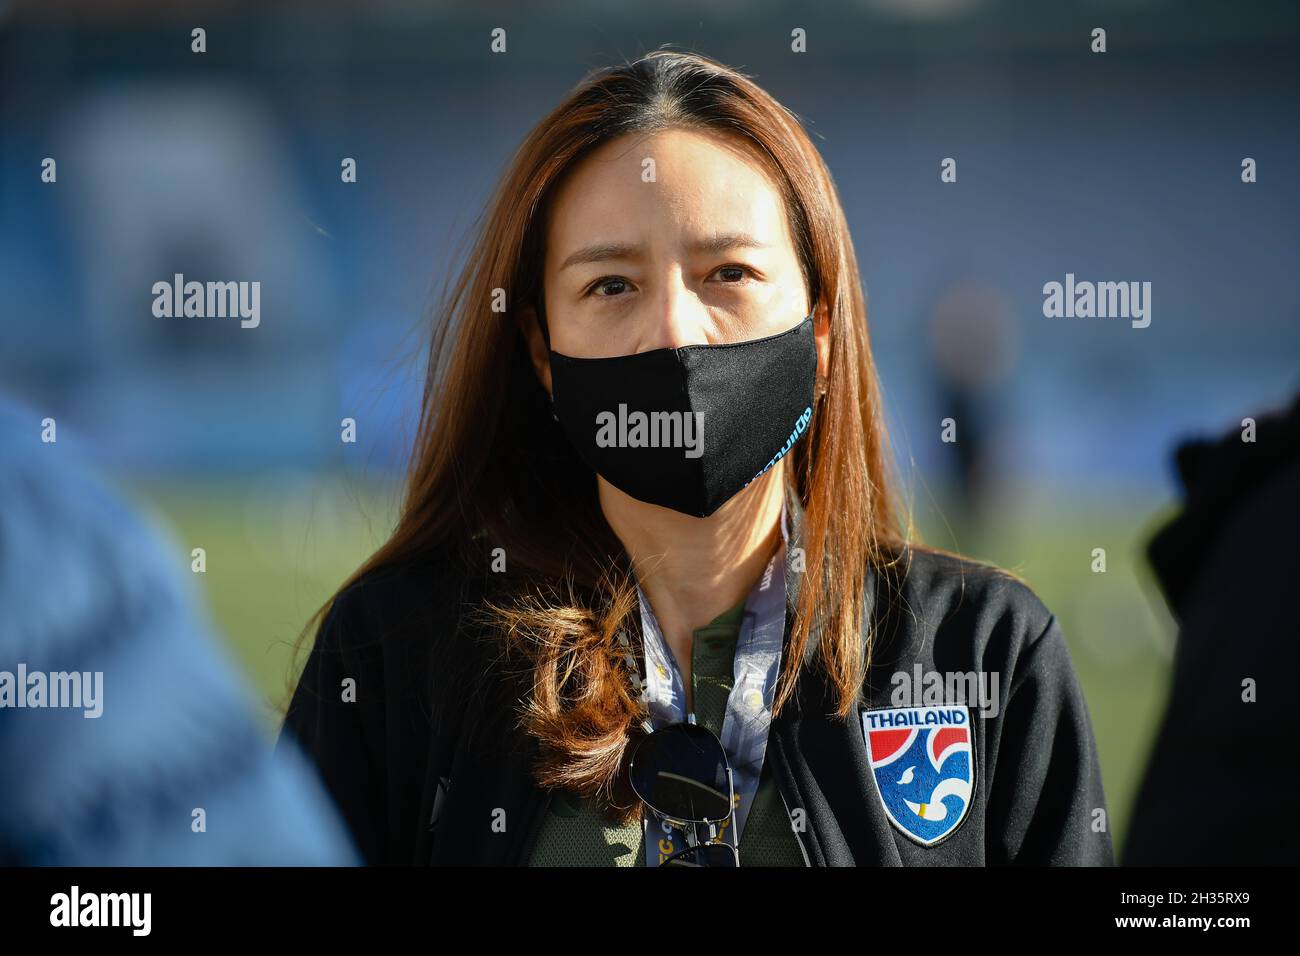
822,384
539,309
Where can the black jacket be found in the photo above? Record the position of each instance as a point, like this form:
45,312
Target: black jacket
428,768
1227,567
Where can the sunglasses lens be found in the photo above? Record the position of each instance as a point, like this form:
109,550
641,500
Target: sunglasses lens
681,771
707,854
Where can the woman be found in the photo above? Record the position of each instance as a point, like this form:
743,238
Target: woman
647,597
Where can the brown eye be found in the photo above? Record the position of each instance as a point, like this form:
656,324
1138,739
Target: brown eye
608,288
733,274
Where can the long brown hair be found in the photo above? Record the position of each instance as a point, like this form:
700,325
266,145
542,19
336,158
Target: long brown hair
491,469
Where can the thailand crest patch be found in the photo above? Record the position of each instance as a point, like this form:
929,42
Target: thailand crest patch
924,764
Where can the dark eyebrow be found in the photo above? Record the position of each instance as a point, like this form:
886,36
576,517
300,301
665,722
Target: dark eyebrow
600,252
728,240
603,251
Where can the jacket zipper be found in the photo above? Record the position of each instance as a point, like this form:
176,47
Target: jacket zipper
797,837
784,779
534,828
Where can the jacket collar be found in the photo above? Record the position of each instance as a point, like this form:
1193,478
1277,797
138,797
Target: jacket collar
808,746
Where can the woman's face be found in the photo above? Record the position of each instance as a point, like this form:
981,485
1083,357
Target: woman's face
693,249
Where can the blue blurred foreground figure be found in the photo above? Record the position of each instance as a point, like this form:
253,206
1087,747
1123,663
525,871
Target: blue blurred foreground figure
126,737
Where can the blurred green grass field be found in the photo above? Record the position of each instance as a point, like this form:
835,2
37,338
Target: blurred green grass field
278,547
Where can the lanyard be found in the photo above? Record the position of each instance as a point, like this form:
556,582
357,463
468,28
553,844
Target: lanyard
749,705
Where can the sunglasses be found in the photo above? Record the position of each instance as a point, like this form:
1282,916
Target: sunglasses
681,773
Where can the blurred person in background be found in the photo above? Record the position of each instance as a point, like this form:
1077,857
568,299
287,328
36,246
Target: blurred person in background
1219,787
153,755
974,345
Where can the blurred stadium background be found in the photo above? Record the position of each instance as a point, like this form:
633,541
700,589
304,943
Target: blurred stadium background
225,166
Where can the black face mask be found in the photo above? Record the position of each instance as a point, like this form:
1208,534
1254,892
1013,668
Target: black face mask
687,428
